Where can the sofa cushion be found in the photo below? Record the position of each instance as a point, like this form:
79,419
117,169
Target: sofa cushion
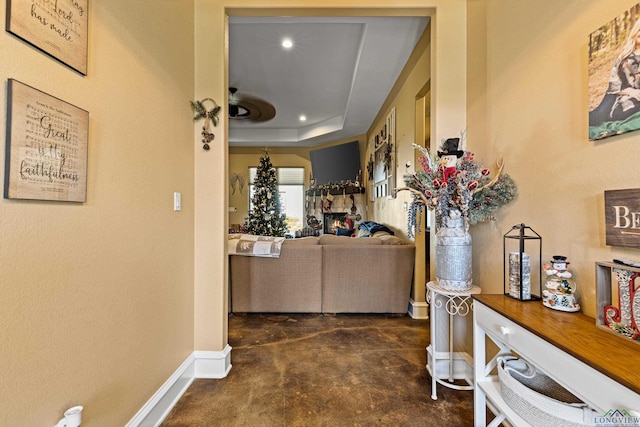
301,241
381,283
387,239
330,239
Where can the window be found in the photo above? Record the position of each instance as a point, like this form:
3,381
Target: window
291,188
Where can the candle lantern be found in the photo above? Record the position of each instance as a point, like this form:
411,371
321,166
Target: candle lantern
522,253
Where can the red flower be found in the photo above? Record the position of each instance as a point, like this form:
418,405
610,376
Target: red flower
485,172
472,184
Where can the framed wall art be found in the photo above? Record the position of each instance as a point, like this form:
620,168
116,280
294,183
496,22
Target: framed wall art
46,146
613,69
383,144
59,28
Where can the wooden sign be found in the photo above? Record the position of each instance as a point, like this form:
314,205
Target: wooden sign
622,217
57,27
46,147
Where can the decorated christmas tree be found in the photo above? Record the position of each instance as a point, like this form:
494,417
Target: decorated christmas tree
265,217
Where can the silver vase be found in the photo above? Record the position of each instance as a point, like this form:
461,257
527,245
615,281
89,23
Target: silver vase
453,254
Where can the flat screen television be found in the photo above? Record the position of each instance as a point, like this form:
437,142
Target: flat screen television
336,163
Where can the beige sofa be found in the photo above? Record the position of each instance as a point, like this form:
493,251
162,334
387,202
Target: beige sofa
326,274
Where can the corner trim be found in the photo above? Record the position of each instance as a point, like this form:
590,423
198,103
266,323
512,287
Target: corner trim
213,364
199,364
418,309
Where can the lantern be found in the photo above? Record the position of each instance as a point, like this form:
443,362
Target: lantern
522,252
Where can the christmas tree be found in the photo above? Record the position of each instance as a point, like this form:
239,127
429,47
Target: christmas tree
265,218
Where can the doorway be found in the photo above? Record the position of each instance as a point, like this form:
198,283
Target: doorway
348,12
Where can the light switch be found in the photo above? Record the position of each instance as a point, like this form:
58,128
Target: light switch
177,202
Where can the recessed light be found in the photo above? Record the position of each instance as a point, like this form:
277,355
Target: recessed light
303,118
287,43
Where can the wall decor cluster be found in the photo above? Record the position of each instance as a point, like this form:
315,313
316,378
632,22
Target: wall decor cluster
209,116
46,146
59,28
383,146
613,67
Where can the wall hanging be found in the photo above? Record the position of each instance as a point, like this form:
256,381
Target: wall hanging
57,28
622,217
614,107
383,147
209,116
237,179
46,147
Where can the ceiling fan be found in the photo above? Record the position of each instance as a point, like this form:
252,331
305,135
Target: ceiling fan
249,108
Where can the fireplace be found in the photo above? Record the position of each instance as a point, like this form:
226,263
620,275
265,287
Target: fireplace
331,222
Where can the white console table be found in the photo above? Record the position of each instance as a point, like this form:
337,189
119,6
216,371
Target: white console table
597,366
441,364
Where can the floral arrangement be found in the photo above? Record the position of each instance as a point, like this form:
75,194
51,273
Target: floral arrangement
463,186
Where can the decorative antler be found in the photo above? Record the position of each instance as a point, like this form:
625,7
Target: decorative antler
422,197
500,165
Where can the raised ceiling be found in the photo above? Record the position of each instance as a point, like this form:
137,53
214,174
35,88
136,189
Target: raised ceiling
337,74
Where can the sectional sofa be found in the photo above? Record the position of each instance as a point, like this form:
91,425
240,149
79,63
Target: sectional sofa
326,274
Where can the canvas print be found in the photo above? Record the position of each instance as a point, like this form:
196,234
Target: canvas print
614,76
46,147
58,28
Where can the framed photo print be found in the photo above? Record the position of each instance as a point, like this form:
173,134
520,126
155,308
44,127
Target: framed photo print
46,147
614,83
59,28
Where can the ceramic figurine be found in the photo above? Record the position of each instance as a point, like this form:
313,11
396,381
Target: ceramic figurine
560,288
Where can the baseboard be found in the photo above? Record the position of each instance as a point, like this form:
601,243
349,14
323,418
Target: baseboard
418,310
199,364
213,364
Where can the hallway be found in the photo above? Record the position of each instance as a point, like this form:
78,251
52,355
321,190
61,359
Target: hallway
313,370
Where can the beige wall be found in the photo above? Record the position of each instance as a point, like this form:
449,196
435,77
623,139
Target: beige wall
97,297
390,211
527,71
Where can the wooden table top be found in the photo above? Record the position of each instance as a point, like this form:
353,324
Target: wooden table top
576,334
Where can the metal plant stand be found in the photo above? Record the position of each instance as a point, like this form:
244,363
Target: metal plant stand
448,365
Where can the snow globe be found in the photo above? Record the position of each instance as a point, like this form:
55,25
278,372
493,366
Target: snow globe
560,288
